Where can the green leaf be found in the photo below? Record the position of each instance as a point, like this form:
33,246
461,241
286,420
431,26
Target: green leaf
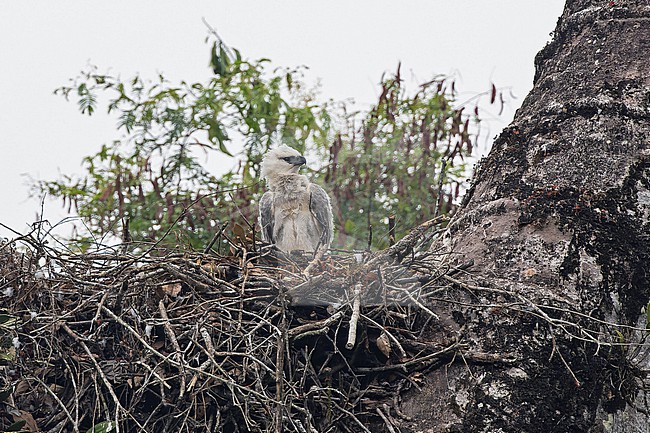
6,319
289,81
17,426
219,59
102,427
217,135
223,55
647,316
215,62
4,394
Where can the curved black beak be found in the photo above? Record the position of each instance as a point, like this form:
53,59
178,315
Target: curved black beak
296,160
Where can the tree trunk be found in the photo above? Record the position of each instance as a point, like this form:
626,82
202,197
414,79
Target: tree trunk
557,223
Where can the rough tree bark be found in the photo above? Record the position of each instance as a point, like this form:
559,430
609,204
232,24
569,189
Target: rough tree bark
557,223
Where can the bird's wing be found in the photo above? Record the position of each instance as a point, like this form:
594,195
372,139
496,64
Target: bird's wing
266,216
320,207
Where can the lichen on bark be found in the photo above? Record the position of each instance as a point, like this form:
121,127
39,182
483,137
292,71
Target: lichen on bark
558,217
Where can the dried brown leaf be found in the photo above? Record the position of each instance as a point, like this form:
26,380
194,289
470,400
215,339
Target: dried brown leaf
30,423
383,344
172,289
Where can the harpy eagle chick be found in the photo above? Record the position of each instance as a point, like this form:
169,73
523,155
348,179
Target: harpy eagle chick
295,214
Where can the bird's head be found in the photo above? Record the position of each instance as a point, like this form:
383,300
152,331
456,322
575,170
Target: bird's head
281,160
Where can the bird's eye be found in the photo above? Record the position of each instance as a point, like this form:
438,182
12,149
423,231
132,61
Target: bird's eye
286,158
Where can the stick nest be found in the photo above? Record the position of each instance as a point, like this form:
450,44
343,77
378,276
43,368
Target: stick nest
168,341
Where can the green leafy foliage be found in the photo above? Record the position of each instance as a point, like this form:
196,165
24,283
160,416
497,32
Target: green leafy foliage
403,157
404,160
154,177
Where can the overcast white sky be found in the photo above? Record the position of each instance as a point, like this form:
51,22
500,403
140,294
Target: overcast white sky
346,44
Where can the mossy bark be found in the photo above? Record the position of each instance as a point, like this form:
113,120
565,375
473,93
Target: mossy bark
558,216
